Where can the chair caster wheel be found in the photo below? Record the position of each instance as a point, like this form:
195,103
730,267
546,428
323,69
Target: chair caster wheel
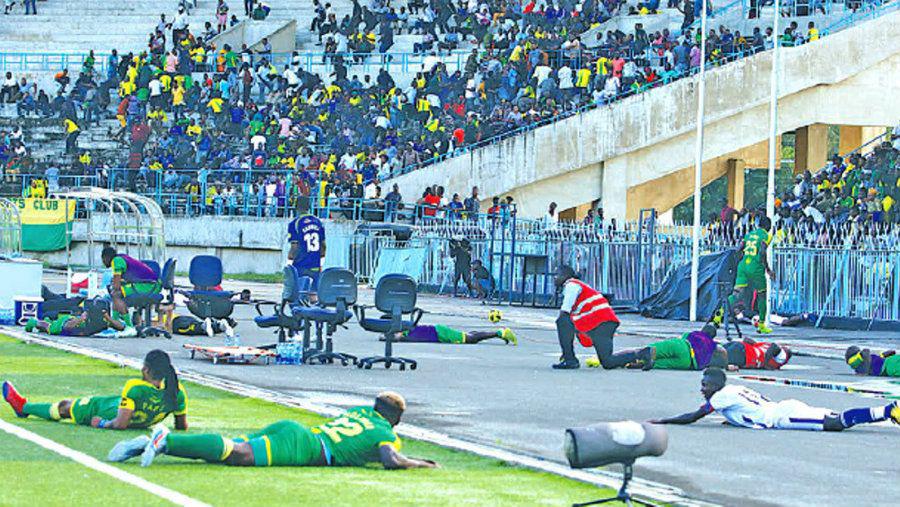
387,365
412,366
402,367
368,366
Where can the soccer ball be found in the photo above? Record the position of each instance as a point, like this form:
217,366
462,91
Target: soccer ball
495,316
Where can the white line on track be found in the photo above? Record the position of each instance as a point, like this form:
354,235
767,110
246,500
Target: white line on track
99,466
639,487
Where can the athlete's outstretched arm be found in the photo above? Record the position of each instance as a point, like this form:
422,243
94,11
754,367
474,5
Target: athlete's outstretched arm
393,460
688,418
123,417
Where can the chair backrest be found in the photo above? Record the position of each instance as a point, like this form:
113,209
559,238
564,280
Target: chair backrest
396,291
154,266
295,288
337,284
167,276
205,271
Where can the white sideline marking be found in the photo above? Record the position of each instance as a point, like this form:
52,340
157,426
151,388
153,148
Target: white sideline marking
95,464
322,405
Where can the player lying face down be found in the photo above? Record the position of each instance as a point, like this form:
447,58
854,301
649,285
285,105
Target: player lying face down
361,435
752,355
747,408
88,323
444,334
691,351
864,362
142,403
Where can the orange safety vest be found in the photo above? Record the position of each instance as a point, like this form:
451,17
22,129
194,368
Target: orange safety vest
591,308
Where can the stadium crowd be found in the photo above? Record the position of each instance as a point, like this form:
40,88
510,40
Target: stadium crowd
850,201
185,104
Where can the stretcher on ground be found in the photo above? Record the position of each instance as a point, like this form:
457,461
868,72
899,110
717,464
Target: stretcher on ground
231,354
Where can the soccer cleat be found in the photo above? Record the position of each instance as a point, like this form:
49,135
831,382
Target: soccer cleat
30,325
127,449
508,336
567,365
647,357
763,329
15,400
592,362
719,317
155,445
895,413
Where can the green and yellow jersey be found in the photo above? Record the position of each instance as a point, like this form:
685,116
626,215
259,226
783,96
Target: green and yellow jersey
146,400
754,243
355,437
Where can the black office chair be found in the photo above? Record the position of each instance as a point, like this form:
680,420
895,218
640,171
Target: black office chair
336,294
294,293
395,298
205,302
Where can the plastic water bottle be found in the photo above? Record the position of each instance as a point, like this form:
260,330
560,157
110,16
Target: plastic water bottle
288,353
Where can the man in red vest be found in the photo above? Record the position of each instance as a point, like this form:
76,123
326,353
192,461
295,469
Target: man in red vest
586,312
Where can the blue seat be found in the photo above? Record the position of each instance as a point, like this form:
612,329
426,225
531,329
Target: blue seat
204,300
336,293
294,293
395,298
154,266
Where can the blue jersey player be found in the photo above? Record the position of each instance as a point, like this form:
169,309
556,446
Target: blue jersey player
307,237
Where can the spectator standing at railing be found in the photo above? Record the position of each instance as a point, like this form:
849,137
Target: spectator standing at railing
472,204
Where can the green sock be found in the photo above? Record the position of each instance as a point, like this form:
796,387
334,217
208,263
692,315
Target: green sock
48,411
124,318
762,306
210,447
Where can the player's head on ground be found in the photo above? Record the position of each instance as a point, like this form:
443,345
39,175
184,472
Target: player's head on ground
563,273
719,358
857,358
391,406
713,380
765,223
158,368
107,255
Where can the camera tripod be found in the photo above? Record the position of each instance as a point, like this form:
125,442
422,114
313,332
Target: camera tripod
623,496
728,318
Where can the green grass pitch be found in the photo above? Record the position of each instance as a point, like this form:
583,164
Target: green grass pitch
35,476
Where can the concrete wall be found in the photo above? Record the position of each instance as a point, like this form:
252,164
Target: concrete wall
282,35
605,152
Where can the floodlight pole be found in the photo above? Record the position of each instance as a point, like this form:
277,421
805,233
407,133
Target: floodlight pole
773,132
698,165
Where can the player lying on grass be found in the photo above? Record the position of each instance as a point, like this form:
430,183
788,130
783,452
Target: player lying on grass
361,435
864,362
444,334
88,323
747,408
142,404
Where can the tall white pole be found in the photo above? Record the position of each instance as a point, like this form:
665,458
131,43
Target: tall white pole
698,165
774,155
